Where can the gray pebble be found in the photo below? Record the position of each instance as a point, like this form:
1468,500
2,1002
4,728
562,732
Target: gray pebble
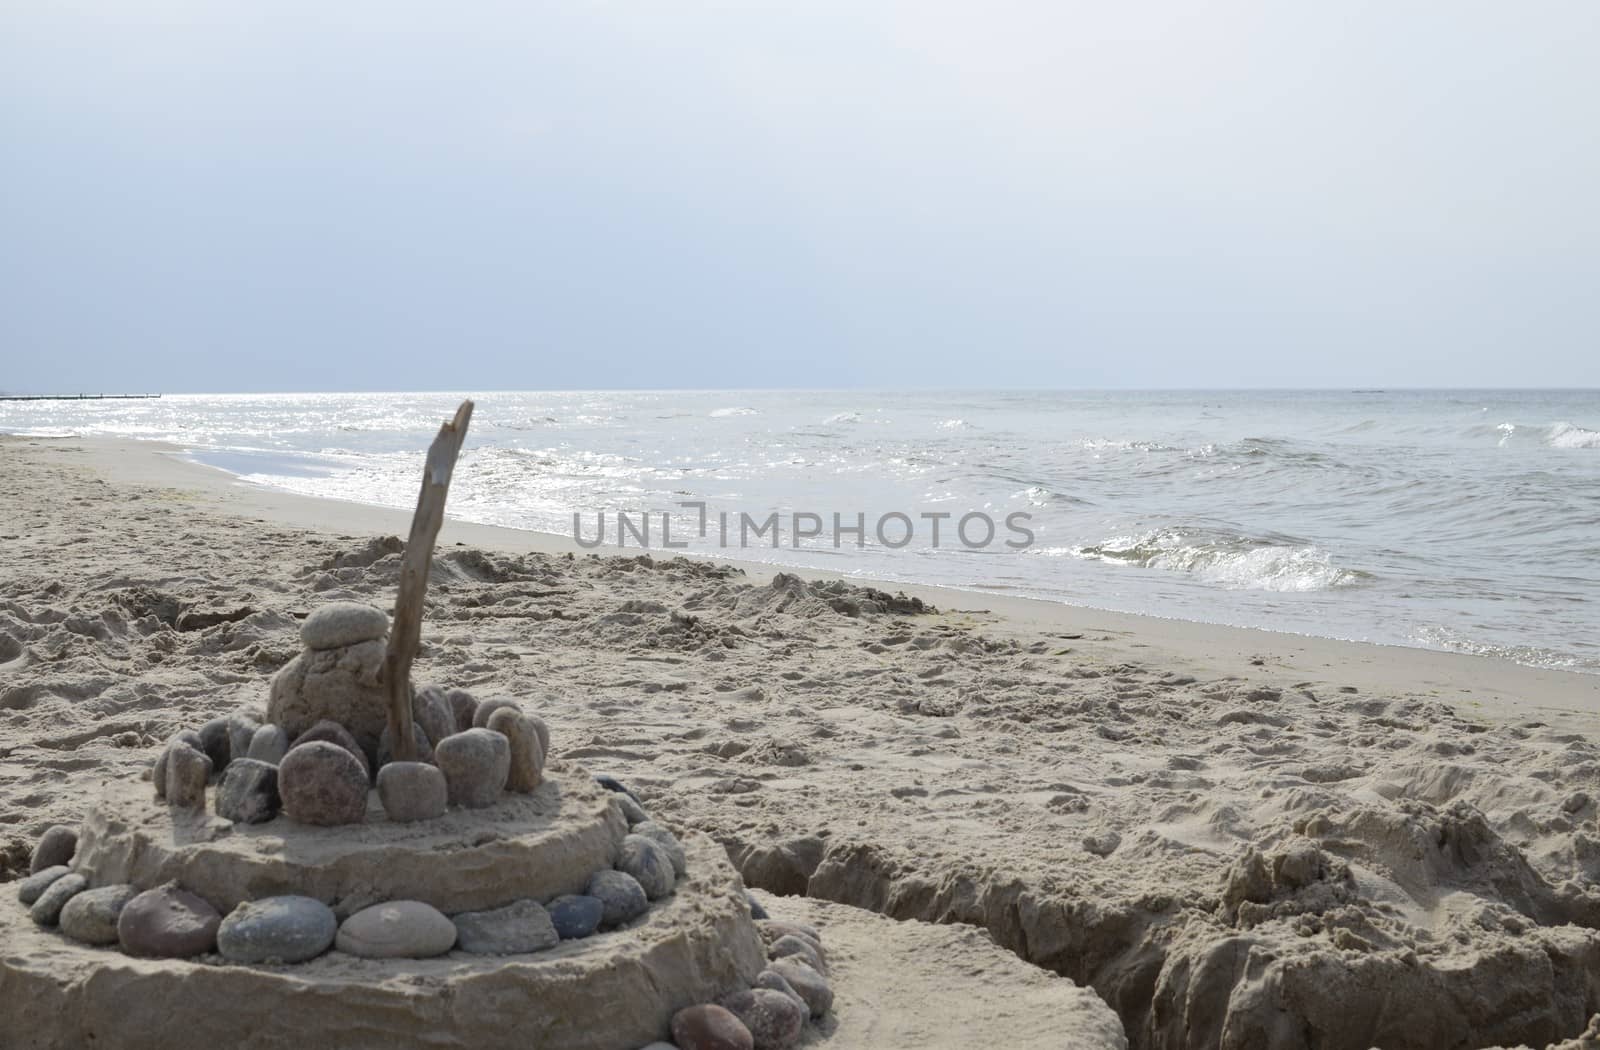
432,712
248,793
621,897
338,624
664,838
519,927
158,773
397,930
216,742
800,948
188,770
805,980
91,916
463,707
475,766
30,888
287,929
575,916
242,728
56,846
631,810
419,737
47,909
648,862
412,791
269,744
773,980
543,730
485,708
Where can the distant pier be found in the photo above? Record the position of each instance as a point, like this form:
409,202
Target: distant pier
75,397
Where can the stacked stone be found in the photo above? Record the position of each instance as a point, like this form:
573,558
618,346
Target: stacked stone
469,753
772,1014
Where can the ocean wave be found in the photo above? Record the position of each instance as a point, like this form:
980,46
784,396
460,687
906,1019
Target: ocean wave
1568,435
723,413
1556,435
1233,562
1119,445
1434,636
842,417
955,424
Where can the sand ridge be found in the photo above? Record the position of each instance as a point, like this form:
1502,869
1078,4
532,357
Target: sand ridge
1231,856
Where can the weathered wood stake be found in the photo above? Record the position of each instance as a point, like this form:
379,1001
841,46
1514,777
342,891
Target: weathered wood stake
405,633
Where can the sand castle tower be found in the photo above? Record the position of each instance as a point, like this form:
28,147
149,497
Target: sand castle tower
361,862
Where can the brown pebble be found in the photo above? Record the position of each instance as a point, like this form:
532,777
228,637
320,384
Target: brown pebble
527,756
710,1027
332,732
775,1021
480,716
322,783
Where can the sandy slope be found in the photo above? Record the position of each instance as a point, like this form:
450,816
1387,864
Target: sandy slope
1239,839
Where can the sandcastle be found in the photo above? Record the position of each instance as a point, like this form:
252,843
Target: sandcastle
405,866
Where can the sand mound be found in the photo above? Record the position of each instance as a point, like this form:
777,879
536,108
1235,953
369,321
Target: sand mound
606,992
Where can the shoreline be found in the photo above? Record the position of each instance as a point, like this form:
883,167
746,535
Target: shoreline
1490,687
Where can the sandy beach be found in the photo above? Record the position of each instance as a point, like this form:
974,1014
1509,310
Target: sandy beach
1235,838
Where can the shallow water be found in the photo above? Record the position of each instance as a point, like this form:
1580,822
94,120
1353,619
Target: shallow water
1462,520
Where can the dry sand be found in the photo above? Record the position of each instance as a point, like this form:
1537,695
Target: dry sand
1237,838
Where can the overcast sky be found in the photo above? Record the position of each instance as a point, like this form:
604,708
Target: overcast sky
316,196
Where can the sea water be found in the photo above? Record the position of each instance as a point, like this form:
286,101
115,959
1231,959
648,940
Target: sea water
1460,520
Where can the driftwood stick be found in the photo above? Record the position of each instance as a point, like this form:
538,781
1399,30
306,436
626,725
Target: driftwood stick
405,633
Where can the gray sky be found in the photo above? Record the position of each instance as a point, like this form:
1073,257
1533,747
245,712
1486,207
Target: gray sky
315,196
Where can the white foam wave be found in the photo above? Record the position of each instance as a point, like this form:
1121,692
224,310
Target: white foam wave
1234,563
955,424
723,413
842,417
1567,435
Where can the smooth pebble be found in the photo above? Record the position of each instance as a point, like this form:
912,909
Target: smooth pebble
663,837
56,846
519,927
338,624
322,784
527,754
269,744
47,909
412,791
91,916
167,922
188,771
710,1027
575,916
397,930
32,887
647,861
248,793
775,1021
621,897
287,929
475,766
805,980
